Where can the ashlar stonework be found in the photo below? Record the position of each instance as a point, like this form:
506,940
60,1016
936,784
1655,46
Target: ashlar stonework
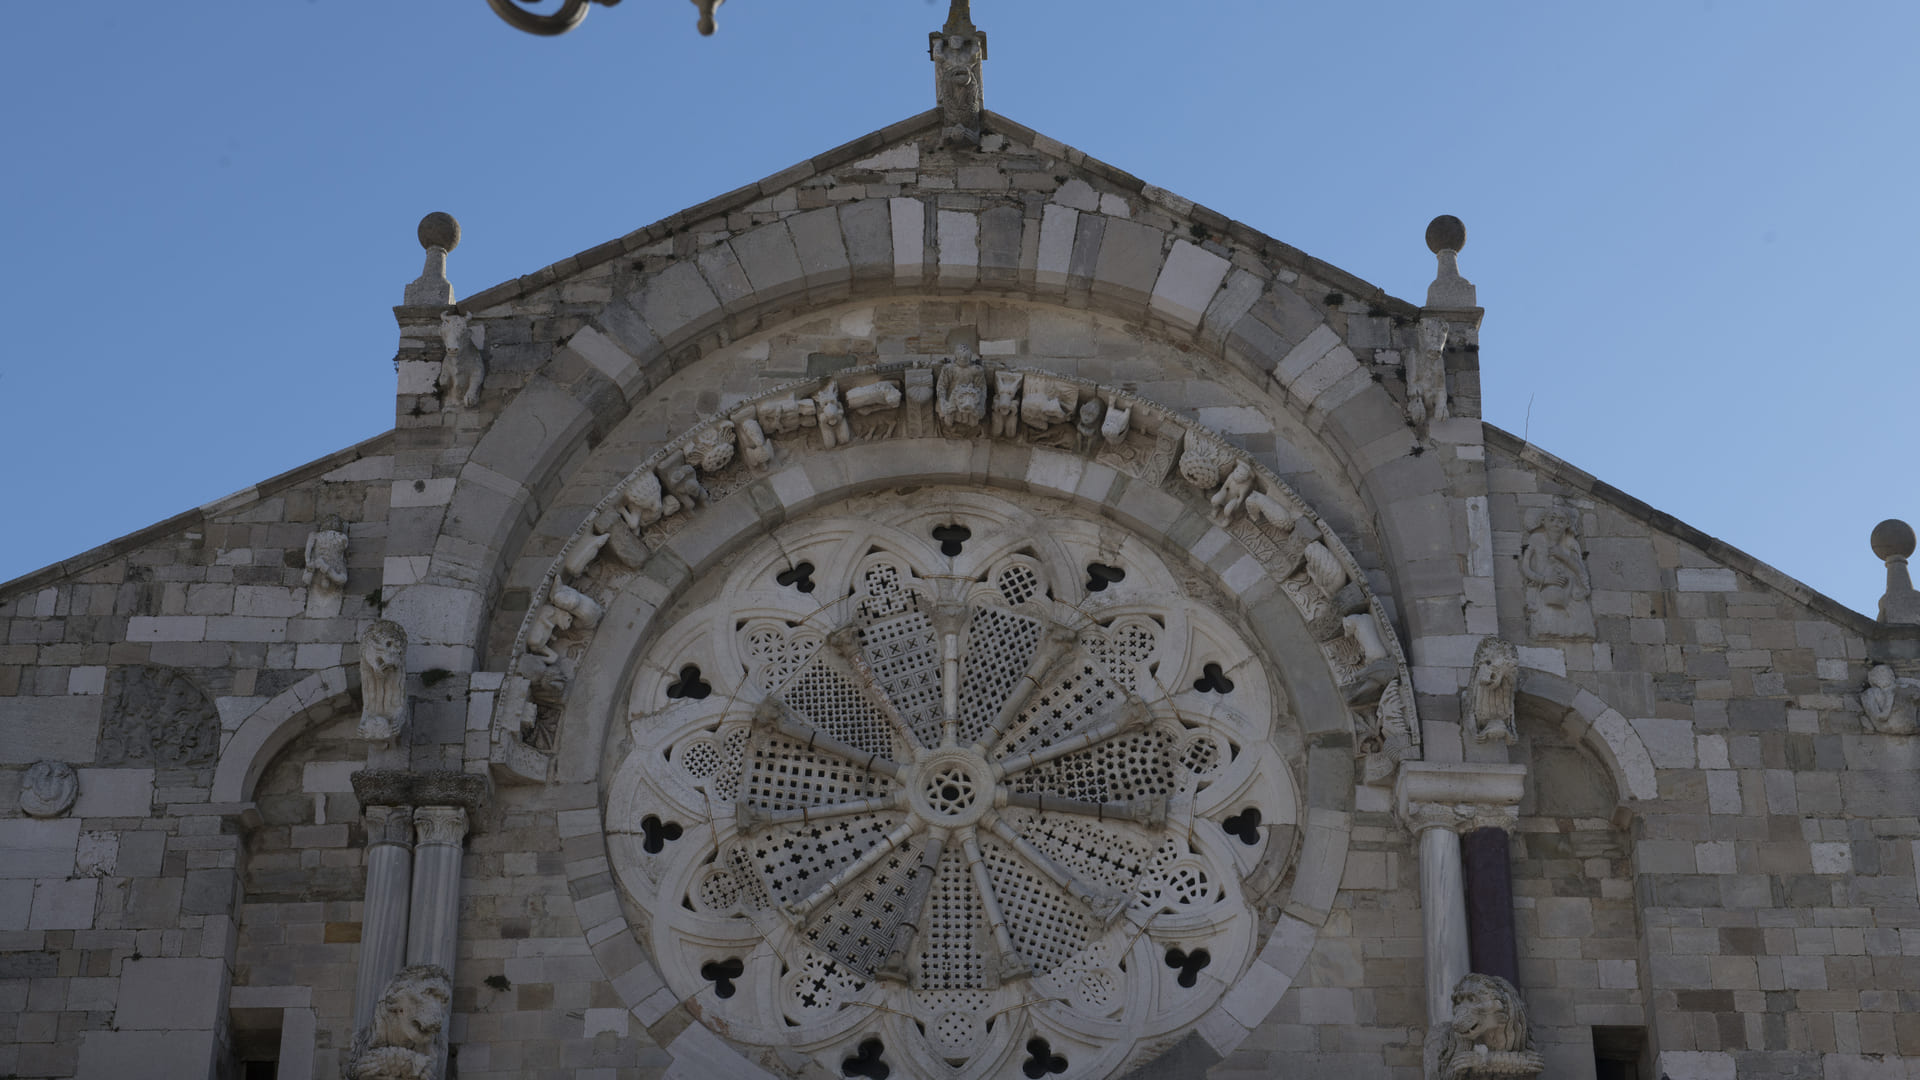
955,609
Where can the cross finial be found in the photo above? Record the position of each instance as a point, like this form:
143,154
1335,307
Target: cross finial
959,18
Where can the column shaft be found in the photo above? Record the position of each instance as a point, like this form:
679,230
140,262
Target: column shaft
1443,910
434,923
1489,878
383,918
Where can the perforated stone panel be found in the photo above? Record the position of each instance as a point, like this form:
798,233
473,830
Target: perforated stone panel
954,803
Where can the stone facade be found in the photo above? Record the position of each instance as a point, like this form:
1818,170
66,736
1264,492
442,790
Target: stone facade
1709,835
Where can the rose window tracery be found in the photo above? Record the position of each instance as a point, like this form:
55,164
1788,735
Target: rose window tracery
955,803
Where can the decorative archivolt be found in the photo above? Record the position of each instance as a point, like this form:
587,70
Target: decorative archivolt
957,398
939,809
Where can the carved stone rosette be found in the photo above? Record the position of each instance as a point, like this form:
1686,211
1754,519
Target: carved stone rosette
49,789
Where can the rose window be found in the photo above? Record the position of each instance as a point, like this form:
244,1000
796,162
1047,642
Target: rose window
947,811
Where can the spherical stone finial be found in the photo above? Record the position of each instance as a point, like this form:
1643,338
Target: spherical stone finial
439,230
1892,539
1446,233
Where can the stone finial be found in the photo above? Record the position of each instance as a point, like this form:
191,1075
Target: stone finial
957,50
439,234
706,14
1446,236
1893,542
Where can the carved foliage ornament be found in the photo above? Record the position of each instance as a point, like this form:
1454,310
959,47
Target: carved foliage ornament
962,806
1135,437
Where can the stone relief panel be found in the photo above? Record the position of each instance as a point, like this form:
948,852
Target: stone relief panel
1046,411
157,716
1555,570
938,795
1889,701
48,789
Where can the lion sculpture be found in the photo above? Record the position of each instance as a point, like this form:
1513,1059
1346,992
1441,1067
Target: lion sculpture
383,682
407,1037
1487,1036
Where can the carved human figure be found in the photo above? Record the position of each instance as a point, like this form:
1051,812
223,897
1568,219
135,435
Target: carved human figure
1427,376
1487,1034
1888,705
384,708
1555,571
48,789
961,391
1232,493
463,369
957,50
781,414
1488,704
326,556
681,479
712,449
1391,735
756,450
1086,428
407,1038
1006,404
832,417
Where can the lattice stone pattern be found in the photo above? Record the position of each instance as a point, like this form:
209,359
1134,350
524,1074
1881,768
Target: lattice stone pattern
957,803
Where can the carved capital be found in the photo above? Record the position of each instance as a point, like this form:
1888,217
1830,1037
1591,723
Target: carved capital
389,825
440,825
1421,816
1458,796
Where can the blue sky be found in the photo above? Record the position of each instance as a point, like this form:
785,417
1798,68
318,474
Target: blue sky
1693,224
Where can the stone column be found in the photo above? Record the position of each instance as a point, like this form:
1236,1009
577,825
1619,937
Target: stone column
434,922
1443,901
383,920
1489,880
1438,802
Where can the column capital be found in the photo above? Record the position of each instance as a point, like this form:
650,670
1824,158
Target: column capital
389,825
440,824
1458,796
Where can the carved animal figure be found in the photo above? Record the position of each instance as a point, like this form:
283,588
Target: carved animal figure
1391,737
407,1039
1006,403
1045,403
957,50
642,502
1114,428
873,397
1487,1035
383,682
834,430
1489,704
464,368
1263,508
755,448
